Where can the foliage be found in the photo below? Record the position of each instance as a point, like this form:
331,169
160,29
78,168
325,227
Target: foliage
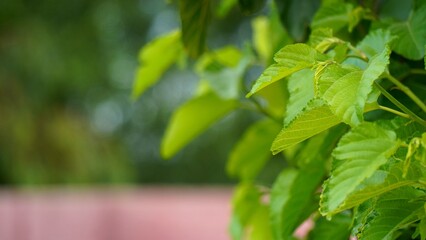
352,113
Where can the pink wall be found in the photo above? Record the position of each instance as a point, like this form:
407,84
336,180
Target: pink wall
115,214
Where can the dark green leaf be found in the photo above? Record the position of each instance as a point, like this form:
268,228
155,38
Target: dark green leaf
294,19
334,16
337,228
292,196
411,35
392,211
195,16
251,6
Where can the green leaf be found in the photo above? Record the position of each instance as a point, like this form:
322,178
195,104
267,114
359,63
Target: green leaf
191,119
260,225
245,202
322,39
289,59
375,42
223,70
358,155
154,59
348,94
262,37
411,35
251,6
335,16
293,193
337,228
295,20
392,211
224,7
301,89
422,228
383,181
315,118
195,16
252,151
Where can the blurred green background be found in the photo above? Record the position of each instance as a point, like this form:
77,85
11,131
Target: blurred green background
66,73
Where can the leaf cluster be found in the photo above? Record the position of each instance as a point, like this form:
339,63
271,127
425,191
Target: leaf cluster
342,102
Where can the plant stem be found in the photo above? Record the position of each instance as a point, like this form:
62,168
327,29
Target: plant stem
358,53
412,115
404,115
407,91
418,71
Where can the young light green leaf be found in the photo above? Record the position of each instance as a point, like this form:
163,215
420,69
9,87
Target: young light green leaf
301,89
260,225
223,70
383,181
289,59
315,118
337,228
252,151
335,16
358,155
245,202
195,16
348,94
375,42
322,39
191,119
154,59
411,35
392,212
261,37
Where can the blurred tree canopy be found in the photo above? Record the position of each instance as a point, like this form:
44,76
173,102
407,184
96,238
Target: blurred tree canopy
66,72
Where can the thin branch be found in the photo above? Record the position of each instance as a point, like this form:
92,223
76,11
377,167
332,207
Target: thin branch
407,91
401,114
412,115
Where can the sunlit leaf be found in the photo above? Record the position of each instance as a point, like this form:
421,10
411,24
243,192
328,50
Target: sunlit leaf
224,7
301,89
195,16
252,151
358,155
154,59
348,94
191,119
289,59
315,118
